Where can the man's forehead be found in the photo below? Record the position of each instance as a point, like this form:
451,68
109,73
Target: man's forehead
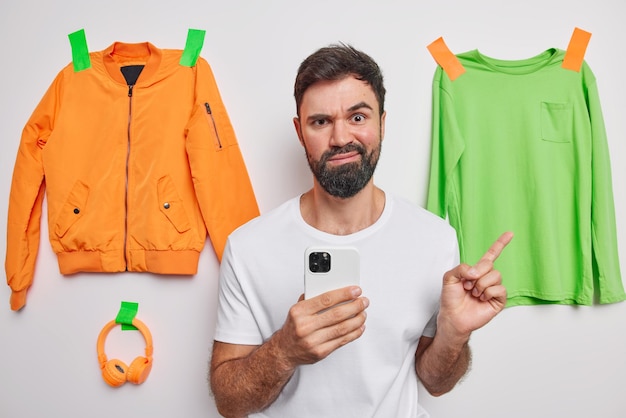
349,93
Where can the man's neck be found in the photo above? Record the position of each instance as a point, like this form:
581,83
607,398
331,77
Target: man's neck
342,216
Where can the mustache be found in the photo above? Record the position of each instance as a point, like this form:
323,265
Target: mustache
342,150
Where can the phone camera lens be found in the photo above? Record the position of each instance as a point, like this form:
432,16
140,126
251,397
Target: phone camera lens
319,262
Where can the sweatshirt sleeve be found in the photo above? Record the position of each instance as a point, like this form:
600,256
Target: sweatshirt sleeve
603,224
220,177
26,196
447,146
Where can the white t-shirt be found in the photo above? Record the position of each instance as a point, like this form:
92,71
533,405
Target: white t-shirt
403,258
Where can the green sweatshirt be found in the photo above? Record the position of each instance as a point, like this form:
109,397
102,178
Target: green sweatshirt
521,146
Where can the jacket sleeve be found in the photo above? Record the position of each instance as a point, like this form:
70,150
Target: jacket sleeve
26,196
603,224
220,177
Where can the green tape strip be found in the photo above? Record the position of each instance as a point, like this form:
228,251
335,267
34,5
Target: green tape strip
193,46
80,52
127,313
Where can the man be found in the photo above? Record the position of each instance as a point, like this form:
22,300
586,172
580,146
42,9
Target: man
356,351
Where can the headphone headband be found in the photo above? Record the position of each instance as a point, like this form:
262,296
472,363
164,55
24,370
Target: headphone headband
145,332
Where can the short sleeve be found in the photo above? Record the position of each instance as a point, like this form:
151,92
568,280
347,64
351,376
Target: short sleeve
235,321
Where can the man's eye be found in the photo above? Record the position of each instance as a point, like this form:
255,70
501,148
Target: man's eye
319,122
358,118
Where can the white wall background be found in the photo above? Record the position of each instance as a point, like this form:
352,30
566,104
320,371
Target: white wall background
543,361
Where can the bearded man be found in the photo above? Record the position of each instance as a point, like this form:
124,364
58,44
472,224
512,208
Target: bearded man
357,351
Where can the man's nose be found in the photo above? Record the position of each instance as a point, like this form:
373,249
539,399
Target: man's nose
341,134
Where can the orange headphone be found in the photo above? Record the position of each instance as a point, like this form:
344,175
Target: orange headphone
116,372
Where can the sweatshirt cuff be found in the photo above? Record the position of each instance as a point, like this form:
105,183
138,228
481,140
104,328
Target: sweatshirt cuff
18,299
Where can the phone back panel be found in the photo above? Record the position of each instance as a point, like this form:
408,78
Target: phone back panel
344,270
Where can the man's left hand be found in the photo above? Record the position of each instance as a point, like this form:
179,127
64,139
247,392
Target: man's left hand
473,295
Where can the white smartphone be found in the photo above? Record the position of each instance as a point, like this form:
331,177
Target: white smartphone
329,268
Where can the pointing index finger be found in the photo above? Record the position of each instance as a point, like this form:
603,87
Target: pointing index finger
496,248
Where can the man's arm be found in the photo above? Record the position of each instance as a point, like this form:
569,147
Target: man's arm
442,368
245,379
470,298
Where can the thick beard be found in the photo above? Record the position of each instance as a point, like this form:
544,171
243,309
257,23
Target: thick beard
348,179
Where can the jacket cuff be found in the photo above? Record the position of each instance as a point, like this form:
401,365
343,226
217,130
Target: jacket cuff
18,299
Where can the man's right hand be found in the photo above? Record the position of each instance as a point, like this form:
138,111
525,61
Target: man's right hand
316,327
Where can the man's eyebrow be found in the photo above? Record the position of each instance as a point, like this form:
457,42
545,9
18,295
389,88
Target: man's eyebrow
317,116
321,116
360,105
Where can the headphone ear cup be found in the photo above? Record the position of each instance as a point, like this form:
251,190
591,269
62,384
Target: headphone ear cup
139,370
114,372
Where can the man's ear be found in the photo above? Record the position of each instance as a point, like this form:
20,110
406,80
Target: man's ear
298,126
382,125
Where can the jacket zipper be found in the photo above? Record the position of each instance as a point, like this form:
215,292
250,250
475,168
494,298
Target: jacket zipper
211,120
126,197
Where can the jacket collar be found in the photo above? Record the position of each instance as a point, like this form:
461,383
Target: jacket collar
121,54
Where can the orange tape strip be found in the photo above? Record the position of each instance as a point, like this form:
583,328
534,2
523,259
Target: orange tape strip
575,53
444,57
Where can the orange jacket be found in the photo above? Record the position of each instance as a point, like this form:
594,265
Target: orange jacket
134,176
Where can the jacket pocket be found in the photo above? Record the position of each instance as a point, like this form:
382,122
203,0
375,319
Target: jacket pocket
73,208
171,205
556,122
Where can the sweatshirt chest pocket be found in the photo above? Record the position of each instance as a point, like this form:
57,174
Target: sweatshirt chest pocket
556,122
73,209
171,205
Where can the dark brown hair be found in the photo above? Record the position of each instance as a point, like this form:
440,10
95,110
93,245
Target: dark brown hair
335,62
